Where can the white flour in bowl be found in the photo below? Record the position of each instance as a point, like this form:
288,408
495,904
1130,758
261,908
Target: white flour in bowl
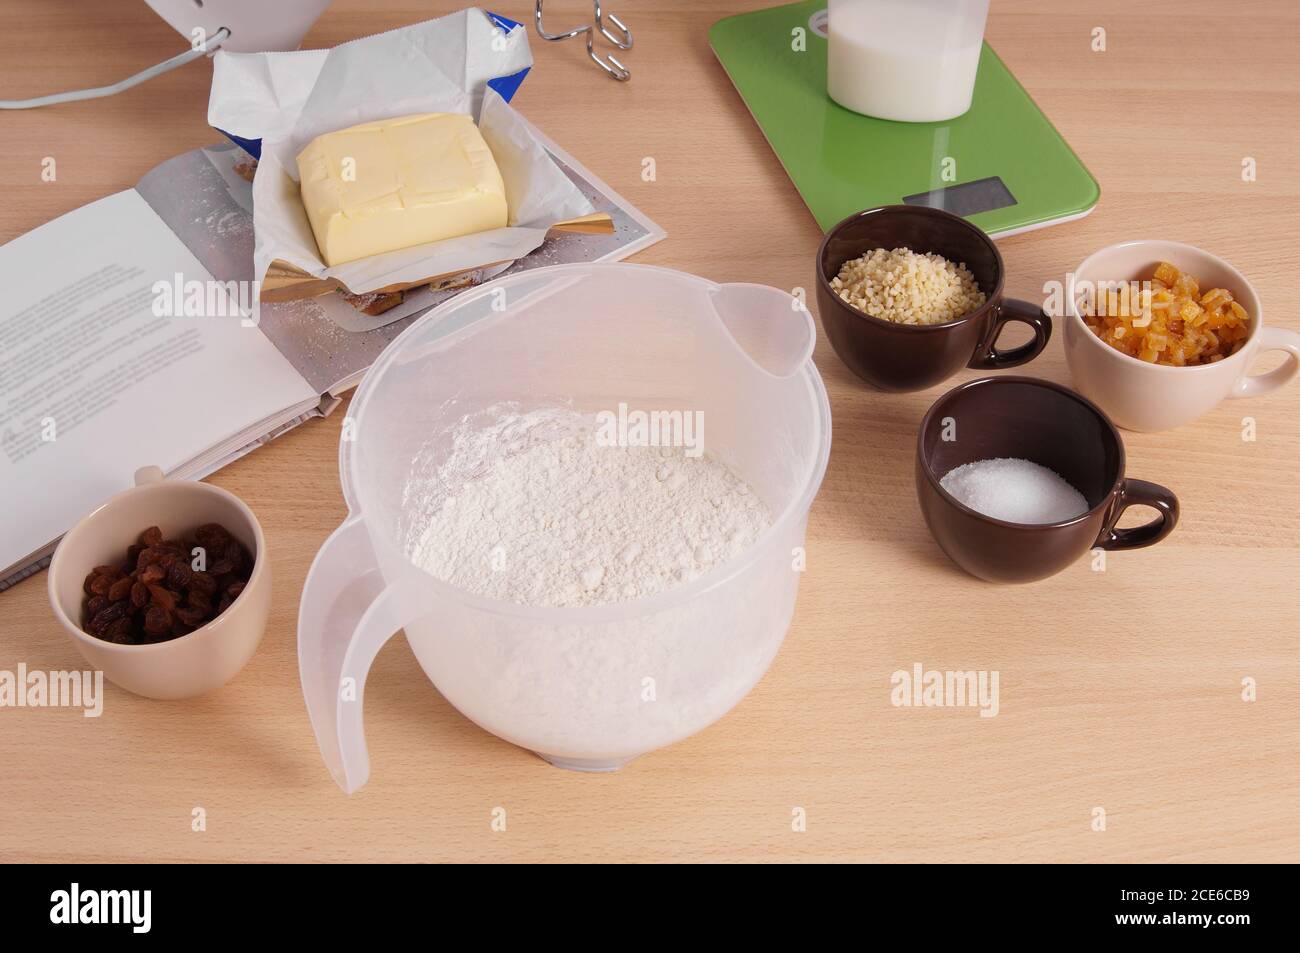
534,510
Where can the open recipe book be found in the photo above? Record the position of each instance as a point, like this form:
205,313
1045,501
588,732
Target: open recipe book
108,362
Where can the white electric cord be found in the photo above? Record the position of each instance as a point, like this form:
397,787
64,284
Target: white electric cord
98,92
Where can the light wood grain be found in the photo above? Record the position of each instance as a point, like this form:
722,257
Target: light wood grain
1119,690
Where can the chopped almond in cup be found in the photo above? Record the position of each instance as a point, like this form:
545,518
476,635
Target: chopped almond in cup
1168,320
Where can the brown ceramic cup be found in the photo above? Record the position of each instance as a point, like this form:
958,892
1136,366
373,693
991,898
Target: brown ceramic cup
905,357
1020,417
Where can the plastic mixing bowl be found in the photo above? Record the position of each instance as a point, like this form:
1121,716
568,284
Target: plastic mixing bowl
594,686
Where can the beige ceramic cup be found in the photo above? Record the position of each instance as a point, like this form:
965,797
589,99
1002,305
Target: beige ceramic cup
1141,396
191,664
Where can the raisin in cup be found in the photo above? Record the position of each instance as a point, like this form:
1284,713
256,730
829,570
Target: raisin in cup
190,664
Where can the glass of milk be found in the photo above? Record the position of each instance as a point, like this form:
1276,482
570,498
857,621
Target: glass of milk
907,60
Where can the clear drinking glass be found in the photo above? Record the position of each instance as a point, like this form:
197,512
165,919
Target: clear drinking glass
907,60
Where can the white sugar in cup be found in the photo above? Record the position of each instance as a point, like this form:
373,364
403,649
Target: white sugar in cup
1015,490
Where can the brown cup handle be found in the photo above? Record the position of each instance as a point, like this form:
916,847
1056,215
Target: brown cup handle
987,355
1140,493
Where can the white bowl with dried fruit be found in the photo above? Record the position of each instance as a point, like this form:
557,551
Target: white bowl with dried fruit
1157,333
165,587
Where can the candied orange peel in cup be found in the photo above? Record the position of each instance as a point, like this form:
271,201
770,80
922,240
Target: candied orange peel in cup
1169,320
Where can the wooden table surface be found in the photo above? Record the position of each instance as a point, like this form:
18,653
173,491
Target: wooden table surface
1120,690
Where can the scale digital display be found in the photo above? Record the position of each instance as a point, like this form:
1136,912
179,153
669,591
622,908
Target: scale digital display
968,198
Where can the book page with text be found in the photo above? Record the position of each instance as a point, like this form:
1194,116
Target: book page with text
101,372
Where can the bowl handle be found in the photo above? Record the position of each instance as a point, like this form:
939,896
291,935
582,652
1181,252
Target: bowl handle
346,615
989,357
773,329
1139,493
1271,339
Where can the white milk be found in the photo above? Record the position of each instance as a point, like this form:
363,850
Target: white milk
908,60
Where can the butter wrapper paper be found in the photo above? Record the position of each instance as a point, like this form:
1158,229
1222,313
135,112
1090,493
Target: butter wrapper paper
443,65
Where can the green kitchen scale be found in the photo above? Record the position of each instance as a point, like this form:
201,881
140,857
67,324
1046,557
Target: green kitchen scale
1002,165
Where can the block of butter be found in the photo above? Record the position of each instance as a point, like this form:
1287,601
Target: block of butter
399,182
